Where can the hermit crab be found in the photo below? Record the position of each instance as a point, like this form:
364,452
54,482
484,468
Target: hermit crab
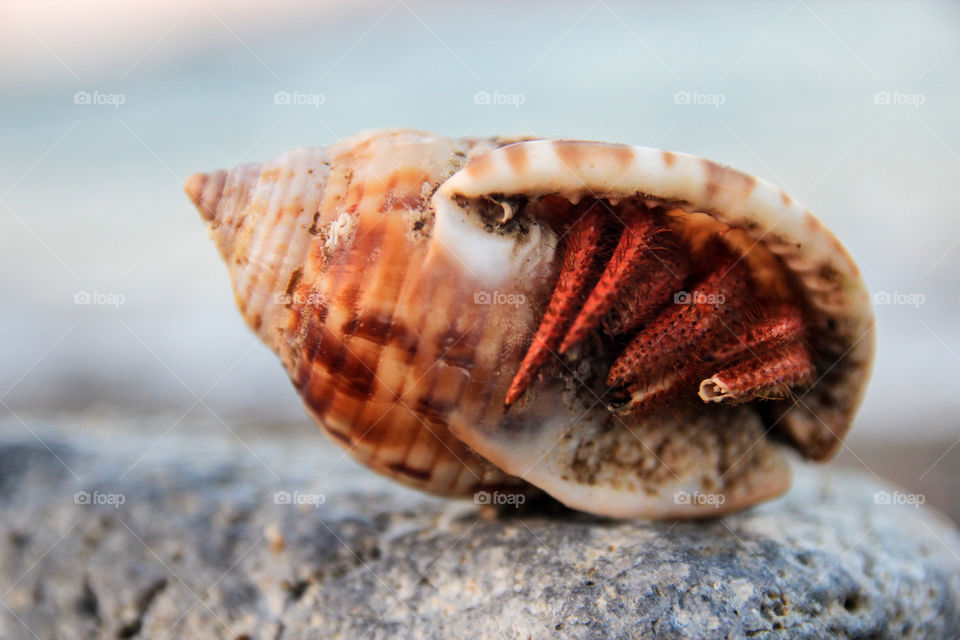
628,329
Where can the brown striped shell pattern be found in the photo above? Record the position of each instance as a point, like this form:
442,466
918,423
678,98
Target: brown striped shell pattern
628,329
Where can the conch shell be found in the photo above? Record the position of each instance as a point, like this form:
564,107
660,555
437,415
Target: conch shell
626,328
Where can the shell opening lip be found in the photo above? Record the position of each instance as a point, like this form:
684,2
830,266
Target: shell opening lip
827,281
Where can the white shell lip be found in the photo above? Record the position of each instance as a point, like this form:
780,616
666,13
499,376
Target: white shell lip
829,280
491,259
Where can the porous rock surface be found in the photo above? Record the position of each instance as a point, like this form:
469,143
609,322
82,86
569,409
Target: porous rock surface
204,543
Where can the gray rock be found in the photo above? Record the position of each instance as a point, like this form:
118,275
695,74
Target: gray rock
196,543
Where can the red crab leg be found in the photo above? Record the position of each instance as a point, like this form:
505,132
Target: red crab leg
780,326
734,337
678,329
580,248
630,254
643,398
769,375
647,291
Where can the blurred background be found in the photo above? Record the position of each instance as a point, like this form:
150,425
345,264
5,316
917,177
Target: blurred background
115,303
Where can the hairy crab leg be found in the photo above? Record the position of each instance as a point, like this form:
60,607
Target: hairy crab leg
772,332
581,245
646,397
677,329
769,375
782,325
742,333
645,295
630,254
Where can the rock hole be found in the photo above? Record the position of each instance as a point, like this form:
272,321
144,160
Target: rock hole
18,539
144,600
296,589
853,602
88,605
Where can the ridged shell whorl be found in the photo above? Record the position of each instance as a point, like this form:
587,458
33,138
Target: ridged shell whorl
323,246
